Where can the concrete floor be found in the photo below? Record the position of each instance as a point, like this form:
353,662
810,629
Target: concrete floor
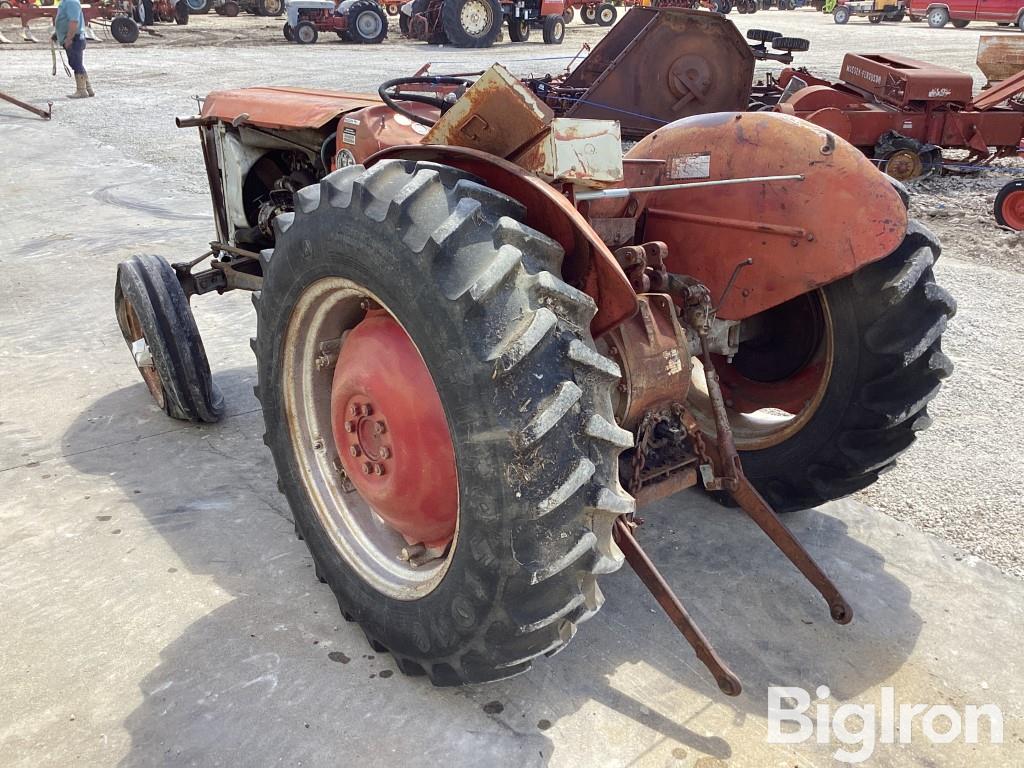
159,611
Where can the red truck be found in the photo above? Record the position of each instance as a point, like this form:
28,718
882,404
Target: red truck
962,12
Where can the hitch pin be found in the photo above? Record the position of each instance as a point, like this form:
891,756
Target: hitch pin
605,194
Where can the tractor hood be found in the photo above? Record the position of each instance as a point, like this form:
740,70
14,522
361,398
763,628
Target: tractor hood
284,108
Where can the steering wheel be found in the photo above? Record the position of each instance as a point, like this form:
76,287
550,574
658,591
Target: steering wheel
391,92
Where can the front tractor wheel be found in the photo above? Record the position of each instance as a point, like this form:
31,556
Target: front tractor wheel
440,420
157,324
829,388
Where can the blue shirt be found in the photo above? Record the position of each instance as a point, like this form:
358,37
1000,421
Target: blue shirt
69,10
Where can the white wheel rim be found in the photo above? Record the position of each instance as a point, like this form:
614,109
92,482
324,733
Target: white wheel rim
362,539
306,35
475,17
606,15
368,24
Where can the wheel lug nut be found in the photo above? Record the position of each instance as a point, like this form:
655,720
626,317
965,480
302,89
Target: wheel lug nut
355,409
385,452
378,469
380,428
367,409
354,450
367,467
350,426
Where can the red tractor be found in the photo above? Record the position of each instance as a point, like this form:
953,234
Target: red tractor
486,335
358,21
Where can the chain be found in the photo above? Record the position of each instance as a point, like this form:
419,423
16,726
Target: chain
640,452
707,466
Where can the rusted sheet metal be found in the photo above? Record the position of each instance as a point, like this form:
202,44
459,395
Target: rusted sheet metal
584,152
641,564
850,214
899,80
656,66
1000,56
997,94
497,114
588,264
285,108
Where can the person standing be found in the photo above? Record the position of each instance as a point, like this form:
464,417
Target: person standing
70,32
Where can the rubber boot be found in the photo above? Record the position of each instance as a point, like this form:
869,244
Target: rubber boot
88,85
80,91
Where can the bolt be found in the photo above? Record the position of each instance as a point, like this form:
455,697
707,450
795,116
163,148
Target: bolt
355,451
355,410
380,428
622,387
385,452
367,409
613,351
350,426
378,469
318,443
367,467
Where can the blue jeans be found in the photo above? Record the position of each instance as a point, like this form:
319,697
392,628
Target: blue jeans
75,54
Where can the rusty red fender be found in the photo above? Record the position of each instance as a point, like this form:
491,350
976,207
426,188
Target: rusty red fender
800,234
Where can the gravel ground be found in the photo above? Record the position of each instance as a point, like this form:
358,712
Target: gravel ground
958,482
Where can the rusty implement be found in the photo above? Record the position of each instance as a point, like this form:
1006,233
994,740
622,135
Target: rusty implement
1000,56
656,66
728,683
43,113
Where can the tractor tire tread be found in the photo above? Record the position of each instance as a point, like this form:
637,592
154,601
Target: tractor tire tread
552,388
902,314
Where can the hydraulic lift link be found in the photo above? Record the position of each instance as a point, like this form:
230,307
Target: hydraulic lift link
638,560
757,509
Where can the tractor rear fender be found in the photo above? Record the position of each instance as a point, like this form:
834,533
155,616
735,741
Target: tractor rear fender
588,263
801,235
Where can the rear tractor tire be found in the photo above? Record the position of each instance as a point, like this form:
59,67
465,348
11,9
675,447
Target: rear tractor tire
471,23
157,324
507,369
367,22
269,7
874,366
606,14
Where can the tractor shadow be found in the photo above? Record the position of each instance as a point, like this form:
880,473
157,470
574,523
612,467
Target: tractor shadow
270,672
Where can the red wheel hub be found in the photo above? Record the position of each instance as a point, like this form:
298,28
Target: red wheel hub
1013,210
391,432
